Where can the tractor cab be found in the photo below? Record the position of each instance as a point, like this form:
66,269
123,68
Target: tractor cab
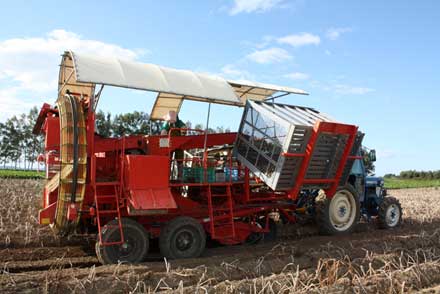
372,193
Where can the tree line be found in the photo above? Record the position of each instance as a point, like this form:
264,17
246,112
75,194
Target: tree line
137,122
19,147
414,174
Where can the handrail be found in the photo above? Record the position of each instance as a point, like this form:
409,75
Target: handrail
209,164
122,158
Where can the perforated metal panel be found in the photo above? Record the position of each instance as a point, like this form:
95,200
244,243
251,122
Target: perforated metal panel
268,130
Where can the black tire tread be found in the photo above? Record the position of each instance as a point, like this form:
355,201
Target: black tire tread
110,228
382,211
167,233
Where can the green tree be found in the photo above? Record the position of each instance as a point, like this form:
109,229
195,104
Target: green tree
104,124
131,124
34,142
3,145
11,141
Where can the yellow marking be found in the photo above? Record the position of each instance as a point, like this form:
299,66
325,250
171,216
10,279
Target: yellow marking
45,221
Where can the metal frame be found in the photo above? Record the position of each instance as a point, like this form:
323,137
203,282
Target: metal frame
301,122
228,209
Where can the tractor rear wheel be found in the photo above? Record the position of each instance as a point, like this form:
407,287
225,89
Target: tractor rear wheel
182,237
390,213
133,250
340,214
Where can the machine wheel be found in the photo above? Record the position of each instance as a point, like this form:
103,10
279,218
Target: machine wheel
340,214
390,213
133,250
183,237
257,237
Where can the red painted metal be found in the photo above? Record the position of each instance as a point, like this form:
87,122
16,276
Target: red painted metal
139,186
354,157
146,171
46,215
52,133
323,127
293,194
351,130
221,216
287,154
72,212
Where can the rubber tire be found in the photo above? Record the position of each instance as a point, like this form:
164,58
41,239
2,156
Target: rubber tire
323,217
382,212
168,234
256,238
132,230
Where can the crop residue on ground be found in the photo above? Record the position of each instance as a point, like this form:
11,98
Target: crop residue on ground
368,261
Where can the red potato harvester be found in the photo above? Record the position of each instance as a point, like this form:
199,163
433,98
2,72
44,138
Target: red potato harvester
230,187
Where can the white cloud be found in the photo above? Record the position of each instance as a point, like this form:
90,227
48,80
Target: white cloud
266,41
259,6
271,55
341,88
344,89
10,104
301,39
297,76
32,62
30,65
335,33
233,72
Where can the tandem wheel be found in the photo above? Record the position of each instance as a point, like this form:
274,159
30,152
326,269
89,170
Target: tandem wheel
133,250
182,237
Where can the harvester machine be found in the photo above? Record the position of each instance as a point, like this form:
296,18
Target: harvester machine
185,186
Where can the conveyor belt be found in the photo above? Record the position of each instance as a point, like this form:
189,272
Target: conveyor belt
73,150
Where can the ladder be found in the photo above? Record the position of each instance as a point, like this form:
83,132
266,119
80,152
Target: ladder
221,217
111,200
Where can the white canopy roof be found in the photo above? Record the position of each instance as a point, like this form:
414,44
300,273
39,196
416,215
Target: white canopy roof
172,85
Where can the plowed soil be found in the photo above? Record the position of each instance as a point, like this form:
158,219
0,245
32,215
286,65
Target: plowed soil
406,259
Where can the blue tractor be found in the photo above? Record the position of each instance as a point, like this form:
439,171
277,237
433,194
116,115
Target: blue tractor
363,196
373,199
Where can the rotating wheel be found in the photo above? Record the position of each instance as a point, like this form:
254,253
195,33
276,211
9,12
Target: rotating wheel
390,213
339,214
133,250
182,237
257,237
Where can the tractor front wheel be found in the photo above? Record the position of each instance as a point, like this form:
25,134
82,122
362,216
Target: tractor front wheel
133,250
390,213
340,214
182,237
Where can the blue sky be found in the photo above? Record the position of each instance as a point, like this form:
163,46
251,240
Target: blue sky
371,63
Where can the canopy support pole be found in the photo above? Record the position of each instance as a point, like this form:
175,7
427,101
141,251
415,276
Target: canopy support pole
205,155
275,97
96,98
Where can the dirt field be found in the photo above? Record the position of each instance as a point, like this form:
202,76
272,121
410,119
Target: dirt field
33,260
